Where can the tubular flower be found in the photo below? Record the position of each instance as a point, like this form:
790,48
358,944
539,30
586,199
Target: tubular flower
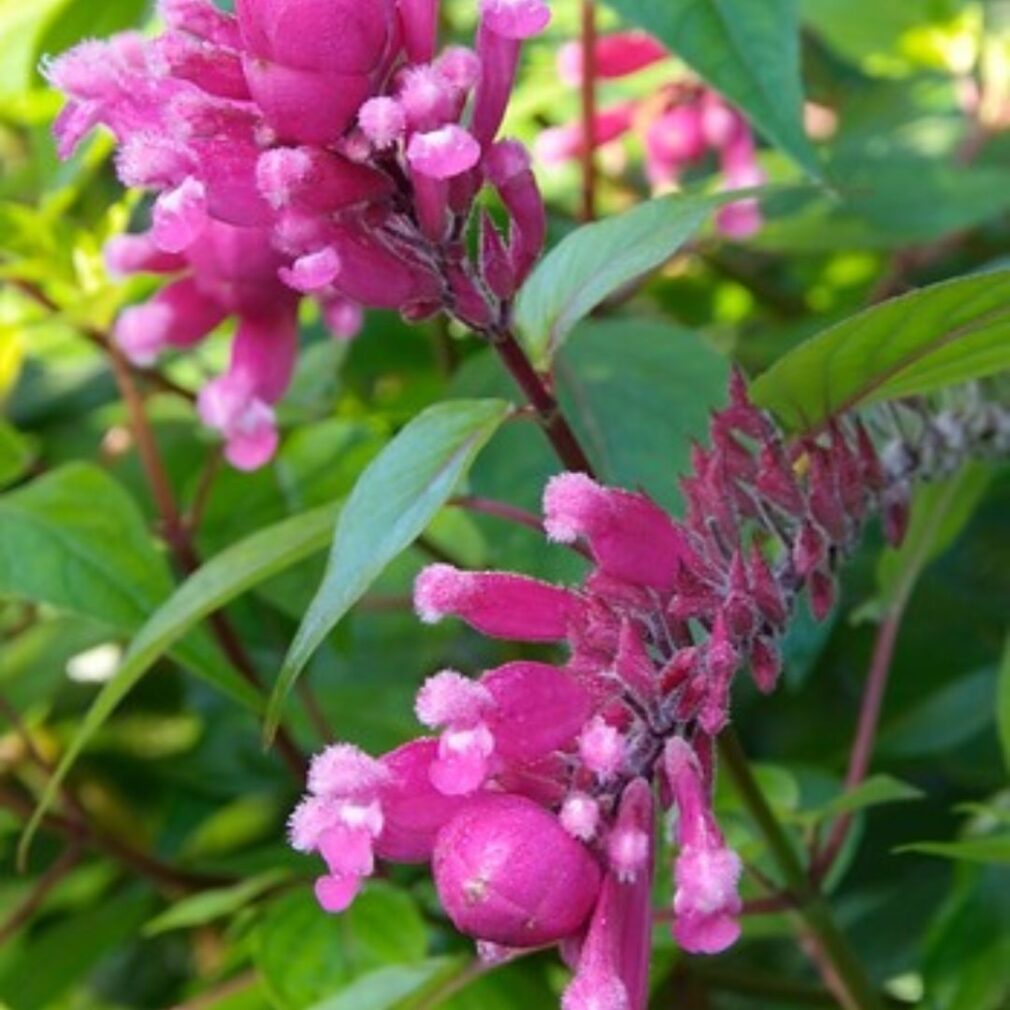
680,124
539,796
333,151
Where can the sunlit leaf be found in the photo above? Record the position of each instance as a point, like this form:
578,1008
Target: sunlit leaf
918,343
597,260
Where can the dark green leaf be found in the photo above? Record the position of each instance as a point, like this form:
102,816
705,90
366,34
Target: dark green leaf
991,849
876,790
747,50
206,906
1003,703
637,392
943,719
76,540
55,962
307,956
384,988
397,496
917,343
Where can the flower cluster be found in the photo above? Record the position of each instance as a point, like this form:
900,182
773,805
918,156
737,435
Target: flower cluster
534,796
303,147
679,125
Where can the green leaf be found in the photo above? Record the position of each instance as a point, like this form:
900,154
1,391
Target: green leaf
1003,703
918,343
873,206
61,955
875,791
207,906
75,539
15,454
306,956
597,260
396,497
747,50
944,719
990,849
21,25
940,513
223,578
384,988
637,392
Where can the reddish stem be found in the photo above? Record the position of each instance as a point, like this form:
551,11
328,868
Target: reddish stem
866,732
153,869
178,537
23,913
510,513
588,102
542,400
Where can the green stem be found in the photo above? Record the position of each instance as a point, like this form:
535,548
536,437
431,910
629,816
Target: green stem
810,903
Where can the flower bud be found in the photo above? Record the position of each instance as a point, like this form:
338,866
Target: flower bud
630,536
496,603
507,872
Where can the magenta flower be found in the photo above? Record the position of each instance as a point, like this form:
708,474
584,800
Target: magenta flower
679,125
330,142
539,792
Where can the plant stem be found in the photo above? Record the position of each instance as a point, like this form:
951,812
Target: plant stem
588,100
509,513
22,914
810,903
866,733
541,399
162,874
178,537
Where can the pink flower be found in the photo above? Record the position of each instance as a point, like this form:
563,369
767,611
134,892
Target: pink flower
616,55
679,125
536,802
612,966
515,19
707,903
443,153
329,141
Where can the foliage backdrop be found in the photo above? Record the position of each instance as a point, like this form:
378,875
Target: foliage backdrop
182,891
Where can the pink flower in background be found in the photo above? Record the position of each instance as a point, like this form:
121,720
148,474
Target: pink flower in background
679,125
539,795
335,153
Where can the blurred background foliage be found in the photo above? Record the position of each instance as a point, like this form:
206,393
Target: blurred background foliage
179,889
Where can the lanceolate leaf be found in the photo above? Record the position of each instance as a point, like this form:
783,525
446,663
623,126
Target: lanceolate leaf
75,539
874,791
223,578
747,49
988,849
394,500
918,343
1003,703
597,260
